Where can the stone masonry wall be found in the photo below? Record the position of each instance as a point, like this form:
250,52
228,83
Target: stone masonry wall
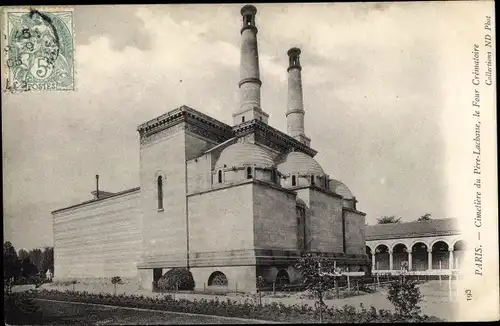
323,220
100,239
275,219
354,232
164,231
221,220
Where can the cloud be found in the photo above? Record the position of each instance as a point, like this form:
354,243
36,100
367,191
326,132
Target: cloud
117,23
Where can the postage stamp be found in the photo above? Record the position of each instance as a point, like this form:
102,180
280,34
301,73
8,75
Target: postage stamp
39,49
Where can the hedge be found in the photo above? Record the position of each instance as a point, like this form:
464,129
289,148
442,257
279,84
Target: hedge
248,309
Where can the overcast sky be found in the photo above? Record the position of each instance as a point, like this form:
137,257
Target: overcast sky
379,94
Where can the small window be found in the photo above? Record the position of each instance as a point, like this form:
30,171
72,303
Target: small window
294,180
160,192
260,118
219,176
243,119
248,19
312,179
249,173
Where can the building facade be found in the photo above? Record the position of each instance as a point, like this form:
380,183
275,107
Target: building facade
229,202
427,247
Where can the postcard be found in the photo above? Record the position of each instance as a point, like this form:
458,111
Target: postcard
250,163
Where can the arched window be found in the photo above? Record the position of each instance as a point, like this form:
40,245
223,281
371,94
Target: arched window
248,19
219,176
217,279
312,179
249,173
160,192
294,181
282,278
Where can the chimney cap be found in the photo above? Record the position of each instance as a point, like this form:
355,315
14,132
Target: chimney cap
293,51
248,10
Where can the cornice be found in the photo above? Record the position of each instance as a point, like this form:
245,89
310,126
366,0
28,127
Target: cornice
415,235
352,210
272,137
93,201
197,123
217,187
322,190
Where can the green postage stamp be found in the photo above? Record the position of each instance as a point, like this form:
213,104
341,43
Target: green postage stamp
39,49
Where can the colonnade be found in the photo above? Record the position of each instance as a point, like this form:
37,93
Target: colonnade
419,255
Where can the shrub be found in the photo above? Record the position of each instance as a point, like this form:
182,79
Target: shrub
177,279
405,295
19,308
228,308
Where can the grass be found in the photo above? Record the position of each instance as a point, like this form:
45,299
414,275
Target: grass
66,313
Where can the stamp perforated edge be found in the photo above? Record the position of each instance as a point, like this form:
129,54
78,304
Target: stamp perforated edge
3,13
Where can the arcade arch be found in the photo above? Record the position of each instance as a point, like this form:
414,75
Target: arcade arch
421,254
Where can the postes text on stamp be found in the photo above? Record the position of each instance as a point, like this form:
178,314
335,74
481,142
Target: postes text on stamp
39,50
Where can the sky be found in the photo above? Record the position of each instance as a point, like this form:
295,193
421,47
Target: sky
381,93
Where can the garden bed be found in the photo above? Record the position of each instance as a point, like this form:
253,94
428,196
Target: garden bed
248,309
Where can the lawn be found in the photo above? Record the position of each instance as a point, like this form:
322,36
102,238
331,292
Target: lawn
66,313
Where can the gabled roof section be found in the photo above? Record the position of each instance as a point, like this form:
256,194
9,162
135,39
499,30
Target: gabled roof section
428,228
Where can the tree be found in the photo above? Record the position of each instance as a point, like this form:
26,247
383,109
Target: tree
36,257
425,217
405,295
11,267
28,269
116,280
317,272
48,259
388,219
22,254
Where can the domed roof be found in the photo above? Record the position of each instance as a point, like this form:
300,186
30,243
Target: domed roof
340,188
299,163
240,154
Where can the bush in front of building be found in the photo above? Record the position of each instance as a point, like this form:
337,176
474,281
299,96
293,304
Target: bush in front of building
248,309
176,279
405,295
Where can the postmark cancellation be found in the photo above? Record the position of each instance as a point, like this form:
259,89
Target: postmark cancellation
39,49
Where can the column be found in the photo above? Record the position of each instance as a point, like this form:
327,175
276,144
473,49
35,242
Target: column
390,260
429,259
409,260
450,259
373,262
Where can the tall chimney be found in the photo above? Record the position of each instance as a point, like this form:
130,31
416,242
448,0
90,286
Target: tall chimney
295,110
249,71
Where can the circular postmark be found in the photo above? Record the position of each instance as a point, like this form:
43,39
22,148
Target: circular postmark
40,51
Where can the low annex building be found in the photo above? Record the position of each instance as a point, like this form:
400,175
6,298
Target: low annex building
229,202
426,246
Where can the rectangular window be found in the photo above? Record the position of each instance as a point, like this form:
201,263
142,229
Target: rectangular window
249,173
160,192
